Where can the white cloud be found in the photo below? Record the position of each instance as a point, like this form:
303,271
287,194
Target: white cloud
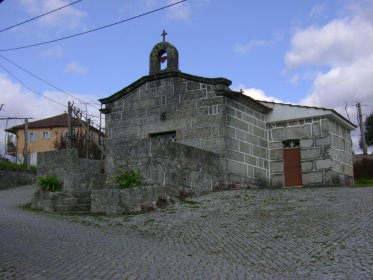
69,17
341,52
73,67
55,52
317,10
337,43
344,47
257,94
178,12
350,83
246,48
23,103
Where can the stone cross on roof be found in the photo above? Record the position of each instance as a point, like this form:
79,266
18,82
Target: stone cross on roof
164,33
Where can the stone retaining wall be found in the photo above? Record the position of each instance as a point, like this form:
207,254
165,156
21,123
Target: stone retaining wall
75,173
73,201
119,201
165,163
10,178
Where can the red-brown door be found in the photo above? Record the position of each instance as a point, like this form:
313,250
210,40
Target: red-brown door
292,167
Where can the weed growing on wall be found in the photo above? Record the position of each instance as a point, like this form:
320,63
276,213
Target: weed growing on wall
128,179
49,183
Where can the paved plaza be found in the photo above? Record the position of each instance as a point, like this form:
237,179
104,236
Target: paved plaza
324,233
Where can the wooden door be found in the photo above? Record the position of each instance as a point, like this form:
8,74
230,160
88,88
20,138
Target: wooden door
292,167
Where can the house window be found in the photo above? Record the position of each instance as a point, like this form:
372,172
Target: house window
45,135
32,137
65,134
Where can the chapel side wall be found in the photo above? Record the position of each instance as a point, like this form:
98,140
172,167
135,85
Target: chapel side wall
341,152
247,145
189,108
319,159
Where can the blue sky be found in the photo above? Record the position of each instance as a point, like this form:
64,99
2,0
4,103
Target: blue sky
317,53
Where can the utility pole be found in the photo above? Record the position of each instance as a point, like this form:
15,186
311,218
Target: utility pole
361,124
99,134
69,126
26,149
6,137
87,137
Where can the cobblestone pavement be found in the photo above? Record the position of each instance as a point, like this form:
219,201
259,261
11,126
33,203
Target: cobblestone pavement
248,234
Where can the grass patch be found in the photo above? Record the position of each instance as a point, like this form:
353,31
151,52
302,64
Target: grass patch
16,166
149,221
190,202
364,183
167,210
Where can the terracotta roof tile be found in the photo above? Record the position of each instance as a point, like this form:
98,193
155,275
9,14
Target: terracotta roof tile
56,121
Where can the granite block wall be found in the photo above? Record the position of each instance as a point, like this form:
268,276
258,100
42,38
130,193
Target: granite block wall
140,199
165,163
10,178
247,144
75,173
199,118
326,155
190,109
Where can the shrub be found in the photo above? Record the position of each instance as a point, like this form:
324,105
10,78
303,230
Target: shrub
16,166
33,169
363,169
128,179
364,183
49,183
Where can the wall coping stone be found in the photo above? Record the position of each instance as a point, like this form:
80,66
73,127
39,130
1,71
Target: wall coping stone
159,76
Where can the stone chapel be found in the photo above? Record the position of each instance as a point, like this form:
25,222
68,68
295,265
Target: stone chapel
189,131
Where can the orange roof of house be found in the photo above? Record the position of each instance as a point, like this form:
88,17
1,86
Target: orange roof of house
56,121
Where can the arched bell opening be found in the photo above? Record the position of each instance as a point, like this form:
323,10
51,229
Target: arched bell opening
163,57
163,60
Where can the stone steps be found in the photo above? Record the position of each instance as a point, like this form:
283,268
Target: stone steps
77,202
73,208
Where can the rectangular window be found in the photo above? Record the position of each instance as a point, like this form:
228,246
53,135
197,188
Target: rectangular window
32,137
65,134
45,135
290,143
170,135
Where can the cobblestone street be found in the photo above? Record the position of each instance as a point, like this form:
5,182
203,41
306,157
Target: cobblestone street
247,234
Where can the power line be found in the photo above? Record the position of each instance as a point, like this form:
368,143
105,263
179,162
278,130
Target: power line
31,19
20,81
36,92
48,83
95,29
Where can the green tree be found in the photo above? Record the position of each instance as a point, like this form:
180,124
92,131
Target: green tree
368,124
